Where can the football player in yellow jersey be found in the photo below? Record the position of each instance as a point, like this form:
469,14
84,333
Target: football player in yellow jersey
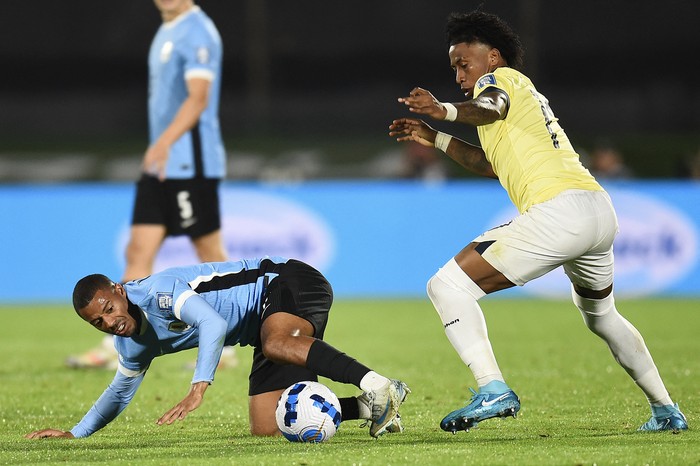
566,218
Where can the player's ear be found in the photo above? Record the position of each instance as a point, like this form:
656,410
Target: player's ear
494,56
119,289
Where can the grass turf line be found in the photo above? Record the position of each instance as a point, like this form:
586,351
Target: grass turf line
578,405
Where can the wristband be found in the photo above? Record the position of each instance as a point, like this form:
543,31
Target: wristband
442,140
451,111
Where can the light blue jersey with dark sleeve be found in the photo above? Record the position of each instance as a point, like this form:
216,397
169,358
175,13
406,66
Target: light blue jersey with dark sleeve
204,306
187,47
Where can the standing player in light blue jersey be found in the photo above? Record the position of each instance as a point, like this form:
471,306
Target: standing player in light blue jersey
185,161
566,218
178,193
278,306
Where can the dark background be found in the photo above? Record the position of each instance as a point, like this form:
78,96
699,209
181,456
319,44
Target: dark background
324,76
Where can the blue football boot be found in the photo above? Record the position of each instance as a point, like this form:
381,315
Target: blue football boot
666,418
481,406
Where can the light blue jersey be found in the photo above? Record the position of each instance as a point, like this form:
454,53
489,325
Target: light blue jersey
205,306
187,47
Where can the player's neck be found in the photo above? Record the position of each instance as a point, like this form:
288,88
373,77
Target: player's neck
170,15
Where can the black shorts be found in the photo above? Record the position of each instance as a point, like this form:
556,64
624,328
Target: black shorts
300,290
185,207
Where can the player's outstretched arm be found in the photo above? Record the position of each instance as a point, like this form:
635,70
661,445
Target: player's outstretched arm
422,102
410,129
490,106
49,433
189,403
471,157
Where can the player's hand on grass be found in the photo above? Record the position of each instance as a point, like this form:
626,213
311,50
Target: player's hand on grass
49,433
189,403
409,129
422,101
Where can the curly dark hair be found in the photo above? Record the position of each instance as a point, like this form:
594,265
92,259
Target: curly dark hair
86,288
488,29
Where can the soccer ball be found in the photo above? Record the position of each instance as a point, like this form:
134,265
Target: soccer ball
308,412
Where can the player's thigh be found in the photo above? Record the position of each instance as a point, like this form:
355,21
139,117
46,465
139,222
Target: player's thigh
285,323
479,270
286,338
546,236
145,240
210,247
261,410
301,291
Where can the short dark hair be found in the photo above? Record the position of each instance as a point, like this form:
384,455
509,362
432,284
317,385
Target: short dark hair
488,29
86,288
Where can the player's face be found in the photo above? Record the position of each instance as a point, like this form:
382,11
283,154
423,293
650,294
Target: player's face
470,62
108,311
171,8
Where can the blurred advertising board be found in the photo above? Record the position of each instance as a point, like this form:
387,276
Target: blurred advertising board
371,238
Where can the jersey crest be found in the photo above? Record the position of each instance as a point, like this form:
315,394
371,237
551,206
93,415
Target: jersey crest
166,51
488,80
165,301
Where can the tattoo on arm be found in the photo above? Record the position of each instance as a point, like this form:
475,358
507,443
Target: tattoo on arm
483,110
471,157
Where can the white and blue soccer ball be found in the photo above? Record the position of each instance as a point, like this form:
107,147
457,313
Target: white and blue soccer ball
308,412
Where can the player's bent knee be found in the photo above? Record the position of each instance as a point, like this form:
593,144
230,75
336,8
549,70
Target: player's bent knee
432,288
272,348
279,348
265,431
438,292
262,413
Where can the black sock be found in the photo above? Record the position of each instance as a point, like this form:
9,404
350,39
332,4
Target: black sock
327,361
349,408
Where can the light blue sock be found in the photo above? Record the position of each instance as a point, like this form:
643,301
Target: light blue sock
494,387
664,410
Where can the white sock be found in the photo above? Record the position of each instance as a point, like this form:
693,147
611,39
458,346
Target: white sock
455,297
363,409
625,343
373,381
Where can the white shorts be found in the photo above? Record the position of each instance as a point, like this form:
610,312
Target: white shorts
576,229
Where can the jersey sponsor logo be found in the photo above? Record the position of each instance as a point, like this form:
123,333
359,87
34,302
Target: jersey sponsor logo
488,80
165,301
166,51
178,326
203,55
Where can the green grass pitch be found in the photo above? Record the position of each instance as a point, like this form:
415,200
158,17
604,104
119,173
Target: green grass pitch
578,405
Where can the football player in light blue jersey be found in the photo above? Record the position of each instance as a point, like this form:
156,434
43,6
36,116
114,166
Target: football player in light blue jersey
186,48
185,161
178,193
278,306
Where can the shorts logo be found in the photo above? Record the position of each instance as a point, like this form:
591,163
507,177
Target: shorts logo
488,80
165,301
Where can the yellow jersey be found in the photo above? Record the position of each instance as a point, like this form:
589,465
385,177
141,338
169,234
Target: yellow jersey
528,150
